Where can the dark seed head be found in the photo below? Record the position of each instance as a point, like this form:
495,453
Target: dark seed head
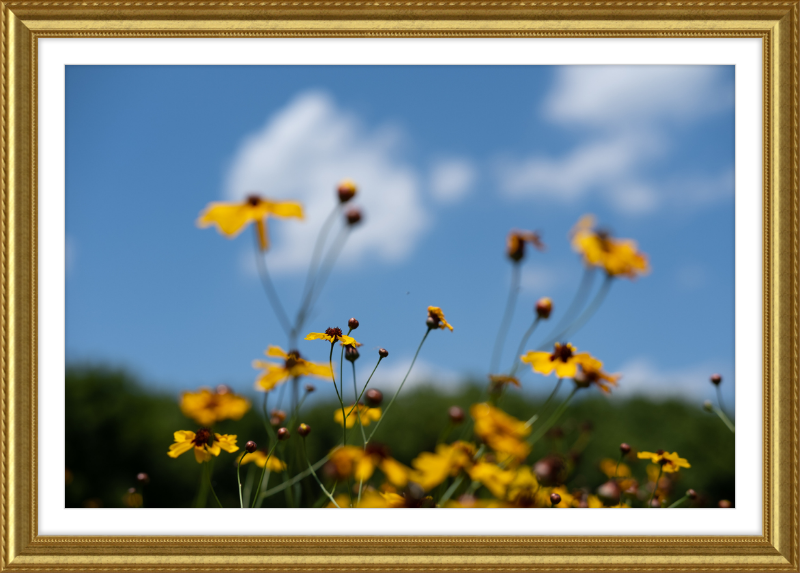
544,306
346,190
432,322
352,323
310,388
555,499
304,429
625,449
335,332
374,397
353,216
716,379
456,414
253,200
250,447
283,434
351,353
383,353
142,478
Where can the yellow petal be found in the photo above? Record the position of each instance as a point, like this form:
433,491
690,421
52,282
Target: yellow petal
273,376
565,369
285,208
230,218
318,336
183,436
201,455
364,468
180,448
395,472
227,442
277,352
347,340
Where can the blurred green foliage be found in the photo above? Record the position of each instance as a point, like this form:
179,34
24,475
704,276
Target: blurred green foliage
116,429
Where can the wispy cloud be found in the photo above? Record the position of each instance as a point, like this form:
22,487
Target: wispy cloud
629,115
302,152
389,376
452,179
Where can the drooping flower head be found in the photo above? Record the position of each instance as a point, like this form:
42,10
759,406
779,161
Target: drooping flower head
206,407
231,218
563,360
618,257
497,382
436,319
591,373
670,463
515,244
204,443
333,335
363,413
293,366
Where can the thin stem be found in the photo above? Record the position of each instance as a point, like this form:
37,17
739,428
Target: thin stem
295,479
679,502
427,332
365,386
719,398
267,425
724,418
553,419
522,344
239,480
511,302
211,485
586,314
263,471
248,481
577,303
313,473
358,411
327,266
619,461
655,486
269,288
452,489
341,402
552,395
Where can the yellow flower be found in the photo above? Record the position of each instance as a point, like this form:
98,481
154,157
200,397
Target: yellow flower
449,459
493,477
563,360
591,373
360,463
619,257
204,443
515,246
367,415
609,467
501,432
207,407
332,335
543,497
231,218
436,316
260,458
497,381
669,463
521,492
293,366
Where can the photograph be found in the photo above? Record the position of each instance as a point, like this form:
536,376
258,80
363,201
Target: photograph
400,286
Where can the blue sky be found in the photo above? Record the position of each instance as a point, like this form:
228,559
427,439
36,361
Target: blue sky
448,159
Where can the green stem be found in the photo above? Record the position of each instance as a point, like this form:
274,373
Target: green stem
725,419
511,302
269,288
575,305
341,402
263,471
452,489
655,486
358,411
586,314
427,332
364,389
552,395
313,473
239,480
679,502
211,485
553,419
267,425
522,344
295,479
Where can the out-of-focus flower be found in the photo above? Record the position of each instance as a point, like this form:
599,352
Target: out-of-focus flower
333,335
204,443
501,432
363,413
610,468
436,318
433,468
493,477
591,373
543,497
360,463
499,381
563,360
521,492
669,463
346,190
515,245
293,366
231,218
543,308
206,407
618,257
259,457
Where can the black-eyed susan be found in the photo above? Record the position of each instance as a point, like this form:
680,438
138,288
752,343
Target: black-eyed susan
206,407
333,335
501,432
362,413
204,443
515,244
618,257
563,360
261,458
592,373
670,463
294,366
436,318
360,463
231,218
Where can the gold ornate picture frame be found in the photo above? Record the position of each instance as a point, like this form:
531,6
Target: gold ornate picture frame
775,24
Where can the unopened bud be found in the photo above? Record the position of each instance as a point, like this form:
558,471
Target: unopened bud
352,323
351,353
346,190
223,389
655,503
691,494
374,397
279,414
725,504
304,429
383,353
432,322
250,447
625,449
131,490
609,492
716,379
456,414
310,388
555,499
283,434
353,216
143,478
544,306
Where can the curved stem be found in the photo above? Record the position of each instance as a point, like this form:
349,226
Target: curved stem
269,288
577,302
263,471
552,395
553,419
511,302
313,473
210,484
679,502
655,486
358,412
325,270
294,480
522,344
341,402
585,315
365,386
427,332
239,479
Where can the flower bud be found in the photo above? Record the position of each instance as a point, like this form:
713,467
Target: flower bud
624,449
131,490
353,216
691,494
609,493
352,323
383,353
725,504
655,503
310,388
456,414
544,306
716,379
223,389
346,190
432,322
708,406
351,353
283,434
555,499
304,429
279,414
143,478
250,447
374,397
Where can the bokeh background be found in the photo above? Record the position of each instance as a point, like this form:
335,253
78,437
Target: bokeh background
448,159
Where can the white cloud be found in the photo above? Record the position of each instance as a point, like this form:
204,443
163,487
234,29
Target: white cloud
302,152
389,376
452,179
627,113
641,377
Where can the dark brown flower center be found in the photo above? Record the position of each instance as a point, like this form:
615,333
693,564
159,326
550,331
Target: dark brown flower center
253,200
292,359
203,437
604,238
375,449
562,352
335,333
